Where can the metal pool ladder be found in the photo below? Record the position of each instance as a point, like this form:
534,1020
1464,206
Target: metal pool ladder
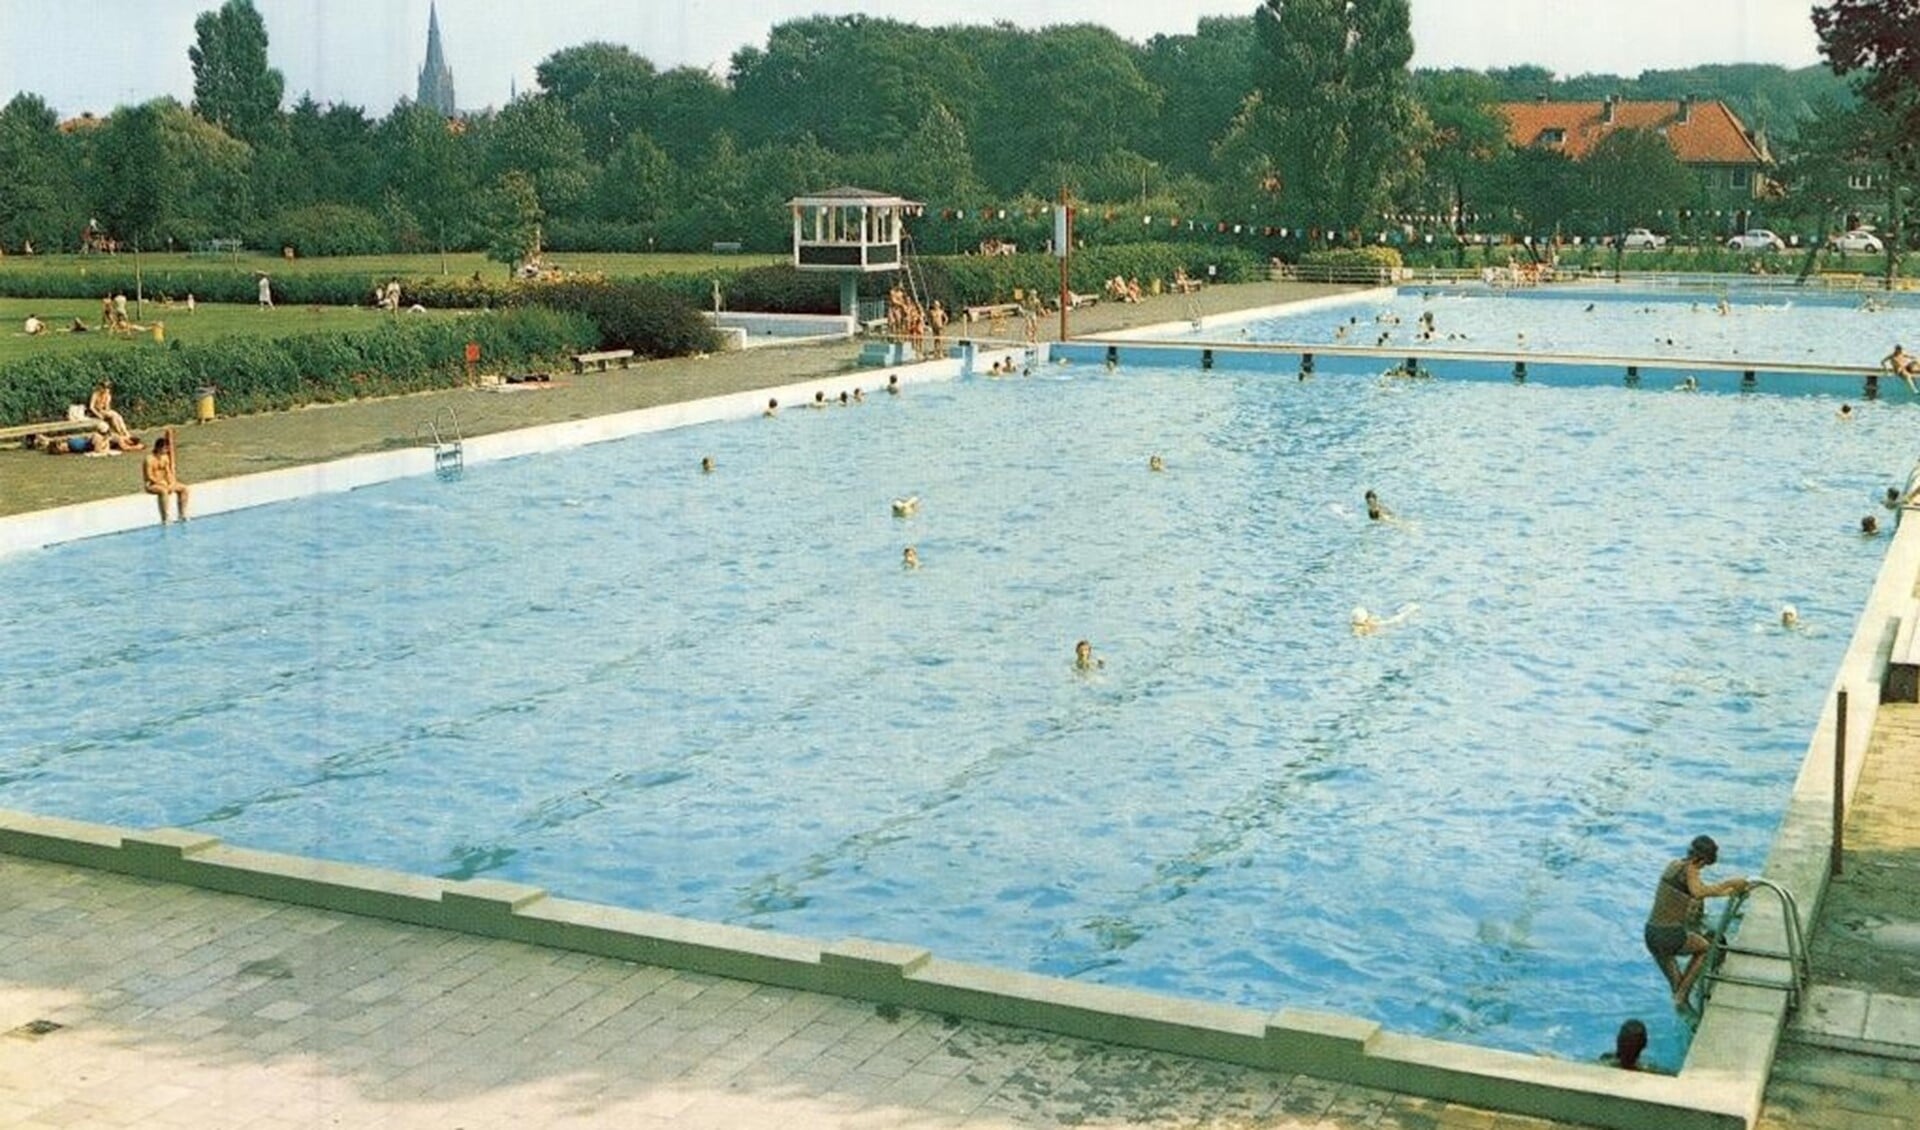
449,455
1799,972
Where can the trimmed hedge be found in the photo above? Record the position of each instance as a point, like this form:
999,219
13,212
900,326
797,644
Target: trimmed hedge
635,314
1365,258
155,384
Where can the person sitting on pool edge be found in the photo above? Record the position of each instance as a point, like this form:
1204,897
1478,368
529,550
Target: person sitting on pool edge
1676,897
158,476
1902,364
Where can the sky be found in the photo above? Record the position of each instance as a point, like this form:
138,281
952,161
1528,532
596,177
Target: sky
367,52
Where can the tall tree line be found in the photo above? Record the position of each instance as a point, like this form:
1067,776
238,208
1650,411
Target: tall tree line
1302,112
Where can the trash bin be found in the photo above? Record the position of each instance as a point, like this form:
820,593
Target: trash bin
159,333
203,405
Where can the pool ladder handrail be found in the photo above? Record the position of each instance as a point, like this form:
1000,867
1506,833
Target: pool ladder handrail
1799,971
449,454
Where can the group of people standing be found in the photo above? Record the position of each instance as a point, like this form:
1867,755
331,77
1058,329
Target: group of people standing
925,329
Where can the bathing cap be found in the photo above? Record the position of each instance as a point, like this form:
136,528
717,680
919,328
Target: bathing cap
1704,849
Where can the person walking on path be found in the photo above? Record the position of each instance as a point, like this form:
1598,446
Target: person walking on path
266,292
1676,902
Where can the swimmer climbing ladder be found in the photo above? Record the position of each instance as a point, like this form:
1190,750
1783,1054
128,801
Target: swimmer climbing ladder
449,455
1798,971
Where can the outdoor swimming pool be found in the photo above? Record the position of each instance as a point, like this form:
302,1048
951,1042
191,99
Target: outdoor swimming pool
1759,326
721,695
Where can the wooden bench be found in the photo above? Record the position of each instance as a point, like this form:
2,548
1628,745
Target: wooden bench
1076,300
726,247
995,311
600,361
17,434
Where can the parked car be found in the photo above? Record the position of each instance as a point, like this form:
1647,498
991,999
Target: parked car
1857,240
1640,239
1758,239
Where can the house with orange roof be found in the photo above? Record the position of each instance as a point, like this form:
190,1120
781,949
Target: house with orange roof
1706,135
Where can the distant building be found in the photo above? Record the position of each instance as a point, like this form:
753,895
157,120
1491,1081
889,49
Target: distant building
436,78
1706,135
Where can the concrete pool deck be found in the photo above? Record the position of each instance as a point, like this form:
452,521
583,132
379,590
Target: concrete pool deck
205,1006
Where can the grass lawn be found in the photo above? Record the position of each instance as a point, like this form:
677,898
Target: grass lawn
381,267
207,322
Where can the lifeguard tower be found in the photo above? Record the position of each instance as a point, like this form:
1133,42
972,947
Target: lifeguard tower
851,232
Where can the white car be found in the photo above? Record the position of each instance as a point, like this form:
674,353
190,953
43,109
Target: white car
1640,239
1857,241
1758,239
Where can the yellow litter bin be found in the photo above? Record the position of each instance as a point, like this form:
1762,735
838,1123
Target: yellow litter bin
203,405
159,333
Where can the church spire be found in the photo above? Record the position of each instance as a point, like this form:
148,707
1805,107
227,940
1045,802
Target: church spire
436,78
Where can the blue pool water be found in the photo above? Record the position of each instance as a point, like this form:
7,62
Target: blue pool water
1772,326
721,696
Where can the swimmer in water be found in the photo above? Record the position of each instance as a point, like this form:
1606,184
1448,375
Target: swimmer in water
909,559
706,464
1789,616
1365,623
1084,659
1869,527
1689,384
1376,510
1155,463
893,385
1845,412
773,408
904,507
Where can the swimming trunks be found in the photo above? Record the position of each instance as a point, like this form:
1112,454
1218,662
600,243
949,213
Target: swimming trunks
1665,941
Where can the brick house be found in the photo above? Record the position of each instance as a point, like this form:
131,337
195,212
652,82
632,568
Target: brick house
1706,135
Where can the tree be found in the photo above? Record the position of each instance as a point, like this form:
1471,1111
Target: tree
37,194
604,89
134,180
638,183
855,83
534,136
233,87
1632,175
212,192
1062,99
1541,187
1464,134
1881,39
428,183
935,162
1202,79
1333,115
513,216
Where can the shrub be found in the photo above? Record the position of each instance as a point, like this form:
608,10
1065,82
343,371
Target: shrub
784,290
154,384
325,229
635,314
